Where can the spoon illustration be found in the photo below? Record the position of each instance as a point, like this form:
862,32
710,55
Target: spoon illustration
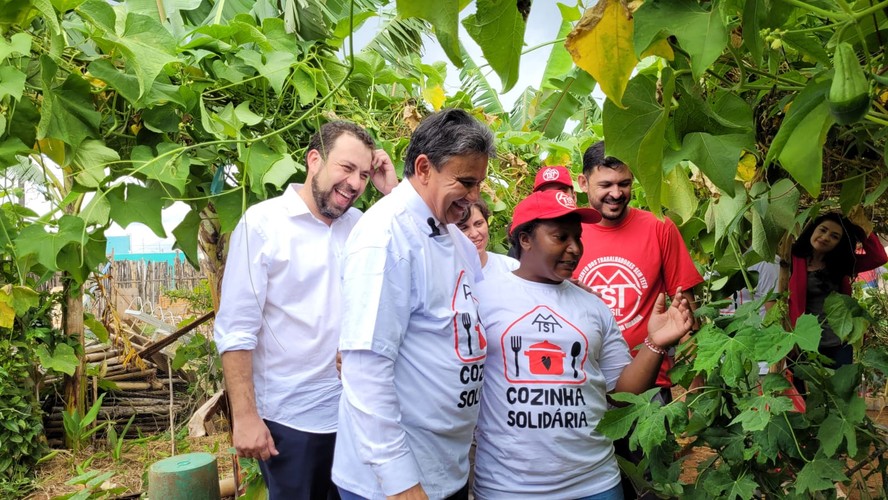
574,352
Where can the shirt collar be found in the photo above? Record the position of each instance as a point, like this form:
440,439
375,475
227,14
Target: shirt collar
296,206
418,207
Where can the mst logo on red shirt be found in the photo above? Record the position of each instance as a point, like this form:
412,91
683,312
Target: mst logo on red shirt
621,285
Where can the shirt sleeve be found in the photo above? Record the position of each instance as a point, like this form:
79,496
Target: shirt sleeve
678,268
244,284
873,254
374,414
376,311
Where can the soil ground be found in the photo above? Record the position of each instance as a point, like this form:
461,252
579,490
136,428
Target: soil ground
131,469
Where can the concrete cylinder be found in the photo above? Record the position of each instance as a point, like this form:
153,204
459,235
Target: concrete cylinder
193,476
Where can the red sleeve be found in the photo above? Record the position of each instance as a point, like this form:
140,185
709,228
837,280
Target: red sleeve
678,268
873,254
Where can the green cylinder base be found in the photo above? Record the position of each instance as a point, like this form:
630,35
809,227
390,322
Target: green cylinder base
193,476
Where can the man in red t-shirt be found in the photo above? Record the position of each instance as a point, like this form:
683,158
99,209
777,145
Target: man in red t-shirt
630,256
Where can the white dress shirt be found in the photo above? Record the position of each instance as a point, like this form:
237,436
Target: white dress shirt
413,351
281,300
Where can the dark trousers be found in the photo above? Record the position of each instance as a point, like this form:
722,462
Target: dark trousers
462,494
621,448
301,471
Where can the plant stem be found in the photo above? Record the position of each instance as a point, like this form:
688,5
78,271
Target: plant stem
794,439
544,44
871,10
817,10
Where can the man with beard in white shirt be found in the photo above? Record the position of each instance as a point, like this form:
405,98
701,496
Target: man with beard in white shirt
413,349
277,329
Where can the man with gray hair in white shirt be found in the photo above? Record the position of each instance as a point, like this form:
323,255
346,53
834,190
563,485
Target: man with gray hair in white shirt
413,348
277,329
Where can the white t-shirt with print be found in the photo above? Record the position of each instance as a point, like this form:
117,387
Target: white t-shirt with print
553,353
498,263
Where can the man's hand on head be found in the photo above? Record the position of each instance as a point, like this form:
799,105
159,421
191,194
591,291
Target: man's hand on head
382,174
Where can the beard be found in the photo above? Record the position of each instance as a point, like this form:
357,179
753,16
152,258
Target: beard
614,215
322,199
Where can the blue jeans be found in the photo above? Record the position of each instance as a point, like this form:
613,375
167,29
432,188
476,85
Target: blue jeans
615,493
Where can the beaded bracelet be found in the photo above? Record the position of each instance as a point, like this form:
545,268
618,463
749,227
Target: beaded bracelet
654,347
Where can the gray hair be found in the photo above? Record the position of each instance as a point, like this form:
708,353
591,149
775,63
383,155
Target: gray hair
445,134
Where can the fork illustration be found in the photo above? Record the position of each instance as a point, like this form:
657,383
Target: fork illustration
516,348
467,324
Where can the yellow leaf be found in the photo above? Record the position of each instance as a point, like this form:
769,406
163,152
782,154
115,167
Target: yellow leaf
7,313
660,48
746,167
54,149
601,43
435,96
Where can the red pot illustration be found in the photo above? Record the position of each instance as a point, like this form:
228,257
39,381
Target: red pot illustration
545,358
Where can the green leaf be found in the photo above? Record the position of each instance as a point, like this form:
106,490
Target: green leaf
443,16
24,299
68,113
820,474
258,160
145,45
783,204
701,33
9,149
558,106
229,209
839,310
476,85
133,203
678,193
808,45
852,192
274,66
168,166
617,422
127,84
806,334
46,246
97,211
96,327
498,28
758,411
559,62
63,359
19,43
765,235
799,142
721,484
754,14
90,159
716,155
636,135
12,82
280,172
161,119
711,346
186,237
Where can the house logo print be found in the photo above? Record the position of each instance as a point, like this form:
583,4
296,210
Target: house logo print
550,174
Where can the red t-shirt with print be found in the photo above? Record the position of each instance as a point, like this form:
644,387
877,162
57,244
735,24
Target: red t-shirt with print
629,265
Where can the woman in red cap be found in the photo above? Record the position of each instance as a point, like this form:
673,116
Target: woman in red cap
554,352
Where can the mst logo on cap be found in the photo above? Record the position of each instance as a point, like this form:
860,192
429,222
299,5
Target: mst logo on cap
565,200
550,174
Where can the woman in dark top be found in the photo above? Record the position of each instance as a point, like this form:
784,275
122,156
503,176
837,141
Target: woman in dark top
824,261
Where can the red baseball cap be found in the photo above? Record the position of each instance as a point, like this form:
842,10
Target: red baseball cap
550,205
552,175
